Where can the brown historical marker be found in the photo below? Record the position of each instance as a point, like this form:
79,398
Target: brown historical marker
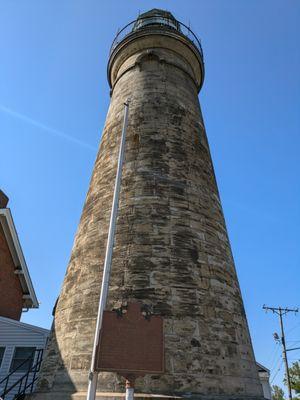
131,344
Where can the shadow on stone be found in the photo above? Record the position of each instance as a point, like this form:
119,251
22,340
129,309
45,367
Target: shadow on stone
54,380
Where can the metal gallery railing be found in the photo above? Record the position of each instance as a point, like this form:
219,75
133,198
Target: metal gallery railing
157,21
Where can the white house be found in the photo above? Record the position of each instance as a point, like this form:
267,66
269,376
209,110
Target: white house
21,348
264,377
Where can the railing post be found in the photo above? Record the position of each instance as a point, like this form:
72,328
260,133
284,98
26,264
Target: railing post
20,385
36,368
5,388
26,380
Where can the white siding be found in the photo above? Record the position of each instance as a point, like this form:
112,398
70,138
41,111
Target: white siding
264,380
17,334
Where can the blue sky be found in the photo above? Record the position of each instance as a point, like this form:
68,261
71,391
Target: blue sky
53,102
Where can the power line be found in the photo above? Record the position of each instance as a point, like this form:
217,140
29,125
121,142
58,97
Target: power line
275,359
277,371
292,329
275,364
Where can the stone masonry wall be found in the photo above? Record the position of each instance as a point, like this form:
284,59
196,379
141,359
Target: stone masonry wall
171,247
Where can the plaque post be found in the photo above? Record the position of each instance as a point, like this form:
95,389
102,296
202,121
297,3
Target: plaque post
129,388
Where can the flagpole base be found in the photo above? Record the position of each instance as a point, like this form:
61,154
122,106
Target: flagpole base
129,389
92,388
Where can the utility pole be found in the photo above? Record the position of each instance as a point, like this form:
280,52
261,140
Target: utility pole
280,312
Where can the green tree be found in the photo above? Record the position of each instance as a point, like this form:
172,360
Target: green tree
277,393
294,372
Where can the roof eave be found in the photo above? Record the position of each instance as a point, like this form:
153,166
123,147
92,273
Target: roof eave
29,296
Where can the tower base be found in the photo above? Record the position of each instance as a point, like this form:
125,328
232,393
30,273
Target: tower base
139,396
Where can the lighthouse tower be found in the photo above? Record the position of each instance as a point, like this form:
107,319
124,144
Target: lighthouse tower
171,250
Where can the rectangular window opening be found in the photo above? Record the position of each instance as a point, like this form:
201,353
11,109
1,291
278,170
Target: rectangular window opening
2,350
22,359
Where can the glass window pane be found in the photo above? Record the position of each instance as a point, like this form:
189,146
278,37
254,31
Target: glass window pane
23,359
2,350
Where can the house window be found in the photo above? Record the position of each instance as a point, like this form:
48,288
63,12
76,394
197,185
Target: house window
22,359
2,350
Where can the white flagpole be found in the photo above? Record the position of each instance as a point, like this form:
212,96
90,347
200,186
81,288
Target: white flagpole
93,375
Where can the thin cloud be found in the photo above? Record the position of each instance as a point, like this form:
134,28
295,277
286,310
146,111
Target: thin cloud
48,129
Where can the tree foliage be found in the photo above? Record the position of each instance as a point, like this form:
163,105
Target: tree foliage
277,393
294,372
